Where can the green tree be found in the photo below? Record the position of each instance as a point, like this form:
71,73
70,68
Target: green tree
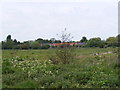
94,42
102,44
40,40
9,44
112,41
84,39
15,41
25,46
3,45
35,45
8,38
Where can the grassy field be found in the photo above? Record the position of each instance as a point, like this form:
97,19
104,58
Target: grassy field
33,69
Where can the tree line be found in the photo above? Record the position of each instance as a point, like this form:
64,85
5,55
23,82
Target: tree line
40,43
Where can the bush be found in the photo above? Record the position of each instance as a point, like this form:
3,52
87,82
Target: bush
63,55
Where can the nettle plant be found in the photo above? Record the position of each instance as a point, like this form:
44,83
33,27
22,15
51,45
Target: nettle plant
64,54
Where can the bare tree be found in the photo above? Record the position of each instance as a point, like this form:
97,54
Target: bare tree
65,37
66,54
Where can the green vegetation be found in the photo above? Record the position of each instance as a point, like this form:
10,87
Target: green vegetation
40,43
91,68
63,56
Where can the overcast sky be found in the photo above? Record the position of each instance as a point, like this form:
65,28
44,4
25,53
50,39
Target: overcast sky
32,20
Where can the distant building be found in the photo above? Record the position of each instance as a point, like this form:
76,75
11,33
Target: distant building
58,44
67,44
82,43
73,44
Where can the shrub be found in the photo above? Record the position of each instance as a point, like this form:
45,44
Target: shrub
63,55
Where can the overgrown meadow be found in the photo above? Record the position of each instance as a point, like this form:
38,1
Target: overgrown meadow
91,68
